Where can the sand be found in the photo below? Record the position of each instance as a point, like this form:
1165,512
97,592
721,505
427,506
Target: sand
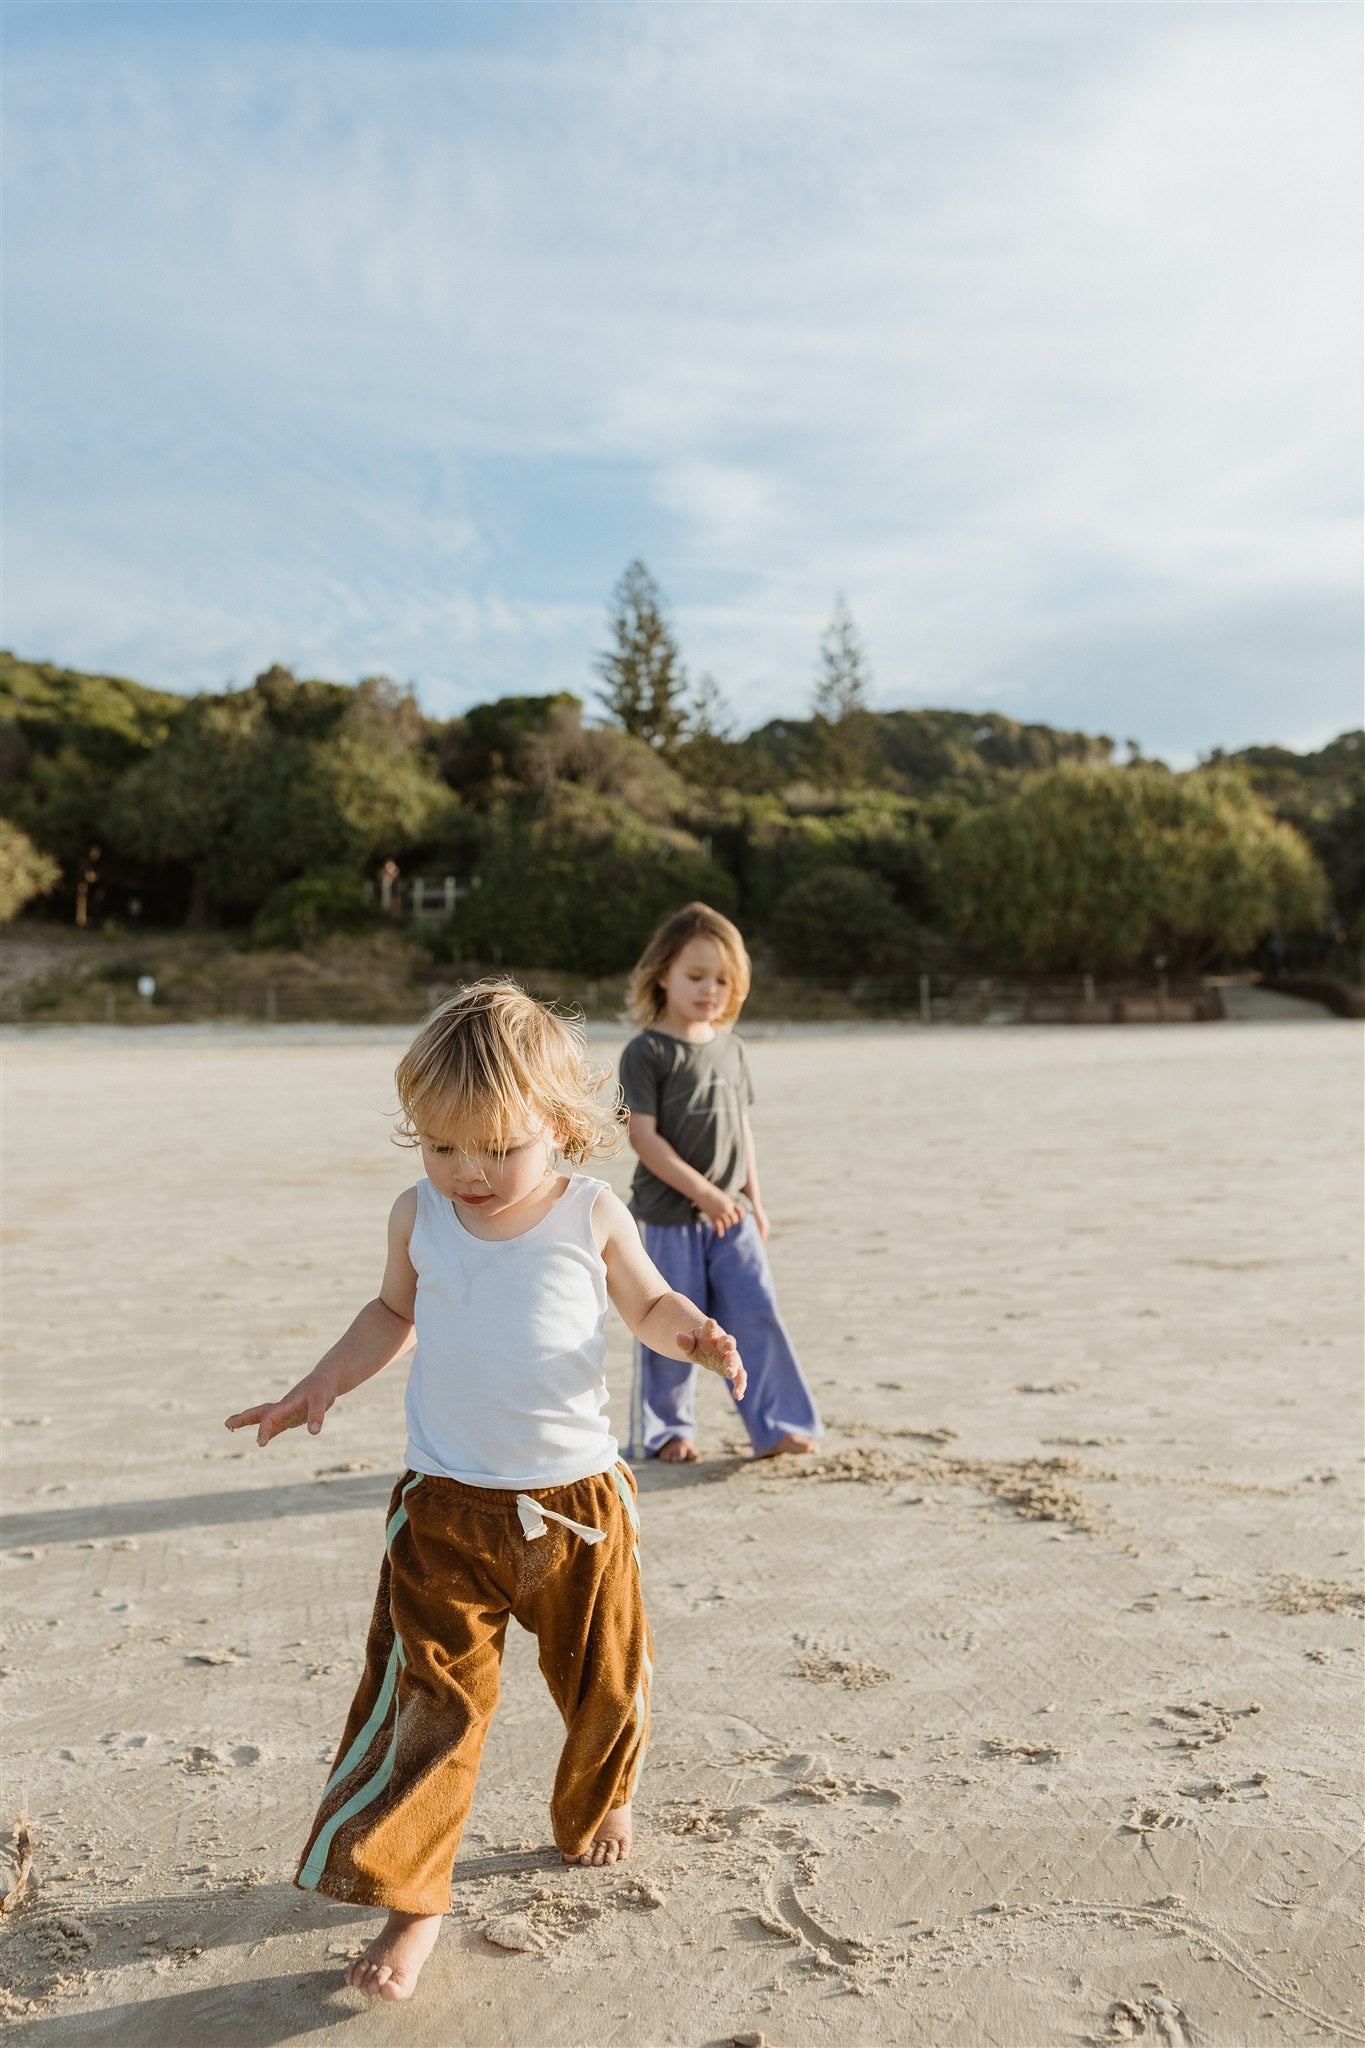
1027,1714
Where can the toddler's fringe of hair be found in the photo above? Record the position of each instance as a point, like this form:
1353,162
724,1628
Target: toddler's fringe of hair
491,1058
645,1001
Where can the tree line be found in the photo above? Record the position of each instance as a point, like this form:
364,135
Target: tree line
847,840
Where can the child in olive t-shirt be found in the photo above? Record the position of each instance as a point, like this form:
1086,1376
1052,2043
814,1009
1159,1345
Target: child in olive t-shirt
695,1194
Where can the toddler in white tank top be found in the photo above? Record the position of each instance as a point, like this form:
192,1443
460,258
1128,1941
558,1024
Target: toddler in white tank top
508,1387
513,1500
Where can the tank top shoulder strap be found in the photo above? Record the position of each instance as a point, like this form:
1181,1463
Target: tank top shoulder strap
431,1226
576,1206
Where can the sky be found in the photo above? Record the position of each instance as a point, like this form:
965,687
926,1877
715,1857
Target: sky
380,338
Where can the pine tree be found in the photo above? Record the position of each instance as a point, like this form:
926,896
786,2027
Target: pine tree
708,752
646,684
843,745
710,716
843,681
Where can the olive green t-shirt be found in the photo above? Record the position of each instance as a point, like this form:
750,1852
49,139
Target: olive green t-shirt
697,1095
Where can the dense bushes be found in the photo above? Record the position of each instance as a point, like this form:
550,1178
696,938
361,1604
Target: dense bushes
66,740
280,803
840,923
25,871
785,842
1103,868
253,790
1322,796
315,907
579,886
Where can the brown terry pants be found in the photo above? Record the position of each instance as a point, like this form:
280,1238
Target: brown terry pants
457,1564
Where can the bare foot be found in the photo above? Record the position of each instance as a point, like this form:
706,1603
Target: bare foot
679,1450
393,1961
611,1843
792,1443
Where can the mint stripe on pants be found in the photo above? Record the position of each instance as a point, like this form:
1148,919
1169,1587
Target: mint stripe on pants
729,1278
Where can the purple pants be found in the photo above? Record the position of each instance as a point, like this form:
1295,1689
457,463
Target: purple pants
728,1278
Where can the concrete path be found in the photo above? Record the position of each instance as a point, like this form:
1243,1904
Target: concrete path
1244,1003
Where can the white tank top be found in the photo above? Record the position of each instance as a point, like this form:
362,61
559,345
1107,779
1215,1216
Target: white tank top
507,1386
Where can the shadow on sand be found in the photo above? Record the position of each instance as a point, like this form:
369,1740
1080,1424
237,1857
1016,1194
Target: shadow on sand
652,1476
199,1510
343,1494
257,2014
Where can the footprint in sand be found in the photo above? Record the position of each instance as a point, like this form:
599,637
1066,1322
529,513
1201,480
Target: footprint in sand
548,1916
855,1674
1295,1595
811,1778
204,1760
1205,1725
1154,2018
1235,1792
709,1823
1147,1818
1022,1752
514,1932
638,1897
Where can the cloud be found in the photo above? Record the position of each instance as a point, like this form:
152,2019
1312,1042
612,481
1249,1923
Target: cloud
1034,330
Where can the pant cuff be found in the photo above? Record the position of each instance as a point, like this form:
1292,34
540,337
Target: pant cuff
356,1891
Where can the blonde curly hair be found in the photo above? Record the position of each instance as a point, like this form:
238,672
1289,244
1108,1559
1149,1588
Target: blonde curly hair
492,1058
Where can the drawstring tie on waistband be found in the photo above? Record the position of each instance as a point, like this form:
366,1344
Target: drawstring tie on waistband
534,1516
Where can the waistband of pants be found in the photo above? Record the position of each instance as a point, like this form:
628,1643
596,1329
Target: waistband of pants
503,1499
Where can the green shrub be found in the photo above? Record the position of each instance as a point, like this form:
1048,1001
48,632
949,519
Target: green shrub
839,923
314,907
782,844
1100,869
581,888
236,803
25,870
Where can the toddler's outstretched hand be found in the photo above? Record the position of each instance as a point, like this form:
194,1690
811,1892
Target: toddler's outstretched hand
307,1402
714,1348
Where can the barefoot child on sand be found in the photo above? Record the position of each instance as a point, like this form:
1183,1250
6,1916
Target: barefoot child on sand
686,1083
514,1500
